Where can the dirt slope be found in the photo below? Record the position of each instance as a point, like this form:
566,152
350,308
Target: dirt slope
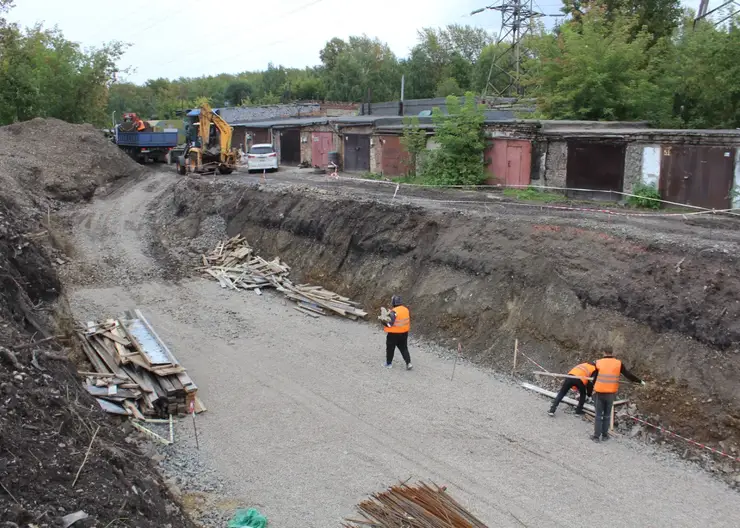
668,303
47,421
303,422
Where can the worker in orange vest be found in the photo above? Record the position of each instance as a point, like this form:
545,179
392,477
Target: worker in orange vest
583,383
397,333
606,385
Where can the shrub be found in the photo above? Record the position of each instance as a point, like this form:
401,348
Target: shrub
646,197
459,158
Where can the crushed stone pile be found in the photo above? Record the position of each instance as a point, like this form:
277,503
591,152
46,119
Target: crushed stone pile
49,159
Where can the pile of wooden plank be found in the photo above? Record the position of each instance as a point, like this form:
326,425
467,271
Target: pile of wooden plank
420,506
235,266
134,373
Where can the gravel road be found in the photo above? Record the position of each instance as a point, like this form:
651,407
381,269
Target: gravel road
303,422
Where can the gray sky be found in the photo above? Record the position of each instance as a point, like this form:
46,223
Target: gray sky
243,34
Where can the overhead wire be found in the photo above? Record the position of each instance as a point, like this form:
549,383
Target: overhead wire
279,16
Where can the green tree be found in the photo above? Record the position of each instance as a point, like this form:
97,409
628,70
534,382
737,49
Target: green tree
440,54
238,91
707,75
44,75
414,140
656,17
353,67
459,158
596,70
447,87
500,75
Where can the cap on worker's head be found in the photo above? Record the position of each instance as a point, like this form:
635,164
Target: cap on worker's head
396,300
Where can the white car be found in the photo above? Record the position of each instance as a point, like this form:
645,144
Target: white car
262,157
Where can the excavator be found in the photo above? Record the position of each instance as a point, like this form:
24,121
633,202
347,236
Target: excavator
212,150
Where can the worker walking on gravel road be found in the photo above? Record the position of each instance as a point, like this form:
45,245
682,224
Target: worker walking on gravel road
584,384
397,333
606,385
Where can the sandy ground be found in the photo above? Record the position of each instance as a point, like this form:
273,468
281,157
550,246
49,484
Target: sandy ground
303,421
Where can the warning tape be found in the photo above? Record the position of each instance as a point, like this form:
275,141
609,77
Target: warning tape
689,440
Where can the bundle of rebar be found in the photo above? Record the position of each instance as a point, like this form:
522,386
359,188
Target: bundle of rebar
419,506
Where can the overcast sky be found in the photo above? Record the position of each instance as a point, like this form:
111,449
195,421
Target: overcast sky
168,40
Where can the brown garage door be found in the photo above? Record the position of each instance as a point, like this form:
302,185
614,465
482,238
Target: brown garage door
395,160
697,175
597,166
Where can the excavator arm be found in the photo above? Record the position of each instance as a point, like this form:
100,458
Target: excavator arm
225,132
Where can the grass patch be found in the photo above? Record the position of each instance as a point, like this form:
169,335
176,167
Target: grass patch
532,194
416,179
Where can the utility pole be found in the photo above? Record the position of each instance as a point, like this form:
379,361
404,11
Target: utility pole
517,17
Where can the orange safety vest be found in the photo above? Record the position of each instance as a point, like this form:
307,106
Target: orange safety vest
584,371
608,379
402,324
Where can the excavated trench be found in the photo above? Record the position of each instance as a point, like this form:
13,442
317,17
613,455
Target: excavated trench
566,292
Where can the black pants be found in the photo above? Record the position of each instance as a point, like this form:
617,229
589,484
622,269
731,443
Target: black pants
567,384
397,340
603,401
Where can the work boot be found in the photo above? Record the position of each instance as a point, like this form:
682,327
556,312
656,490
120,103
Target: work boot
409,366
551,412
605,437
595,438
388,365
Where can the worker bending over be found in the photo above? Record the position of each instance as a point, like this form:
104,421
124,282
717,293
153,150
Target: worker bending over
397,333
584,383
606,385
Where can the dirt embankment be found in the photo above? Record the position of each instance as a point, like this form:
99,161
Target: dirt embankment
47,421
670,312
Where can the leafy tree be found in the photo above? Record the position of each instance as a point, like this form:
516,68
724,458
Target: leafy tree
274,81
707,75
447,87
459,158
44,75
238,91
657,17
500,74
353,67
450,52
414,140
597,70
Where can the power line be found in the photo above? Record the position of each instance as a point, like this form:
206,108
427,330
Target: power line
279,16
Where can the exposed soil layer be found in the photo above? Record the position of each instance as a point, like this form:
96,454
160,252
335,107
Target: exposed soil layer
47,421
665,296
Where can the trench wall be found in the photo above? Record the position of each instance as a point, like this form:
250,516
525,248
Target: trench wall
565,293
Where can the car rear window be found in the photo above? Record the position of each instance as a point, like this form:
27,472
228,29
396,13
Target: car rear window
261,150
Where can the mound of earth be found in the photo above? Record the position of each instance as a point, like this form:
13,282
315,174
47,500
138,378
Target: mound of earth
47,420
49,159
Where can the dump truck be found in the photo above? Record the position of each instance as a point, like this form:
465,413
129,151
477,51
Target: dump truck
211,150
135,137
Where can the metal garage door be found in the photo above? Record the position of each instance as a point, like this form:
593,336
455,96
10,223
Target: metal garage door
356,152
509,162
697,175
395,160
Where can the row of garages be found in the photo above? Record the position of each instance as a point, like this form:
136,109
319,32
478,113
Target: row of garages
591,160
